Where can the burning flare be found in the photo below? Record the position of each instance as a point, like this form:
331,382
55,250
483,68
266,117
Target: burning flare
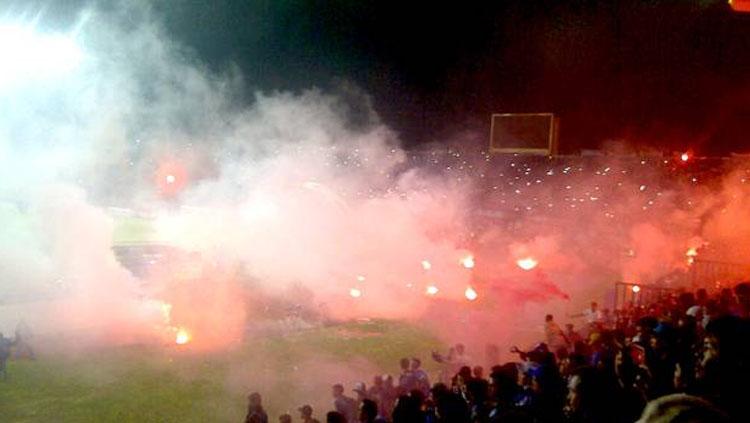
471,294
432,290
468,262
182,337
527,263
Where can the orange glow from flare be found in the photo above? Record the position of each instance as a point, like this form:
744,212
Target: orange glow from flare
691,253
170,177
685,157
471,294
182,337
740,5
527,263
636,289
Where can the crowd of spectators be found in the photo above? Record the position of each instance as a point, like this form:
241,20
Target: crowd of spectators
683,358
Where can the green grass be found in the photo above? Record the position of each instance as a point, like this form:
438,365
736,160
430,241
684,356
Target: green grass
133,230
150,384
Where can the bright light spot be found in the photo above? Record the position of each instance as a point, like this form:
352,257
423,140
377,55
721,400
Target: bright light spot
360,278
468,262
470,294
170,179
432,290
355,292
260,208
685,157
527,263
642,188
27,54
183,337
426,265
636,289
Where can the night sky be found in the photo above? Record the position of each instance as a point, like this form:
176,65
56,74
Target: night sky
671,74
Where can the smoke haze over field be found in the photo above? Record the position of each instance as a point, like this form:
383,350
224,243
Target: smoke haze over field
307,189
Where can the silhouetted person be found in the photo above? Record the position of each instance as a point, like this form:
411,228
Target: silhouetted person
306,414
345,405
406,380
681,408
553,334
21,341
368,411
588,400
255,411
420,379
335,417
5,345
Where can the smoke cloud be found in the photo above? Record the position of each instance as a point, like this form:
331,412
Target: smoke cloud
305,192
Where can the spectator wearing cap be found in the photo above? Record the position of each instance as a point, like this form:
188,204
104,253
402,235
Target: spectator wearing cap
347,406
306,414
285,418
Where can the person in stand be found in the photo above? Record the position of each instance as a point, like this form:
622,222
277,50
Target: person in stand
388,399
21,342
594,317
5,345
421,380
335,417
572,336
360,389
406,380
368,412
378,393
306,414
255,411
554,335
346,406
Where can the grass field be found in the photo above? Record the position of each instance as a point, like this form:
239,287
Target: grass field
153,384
